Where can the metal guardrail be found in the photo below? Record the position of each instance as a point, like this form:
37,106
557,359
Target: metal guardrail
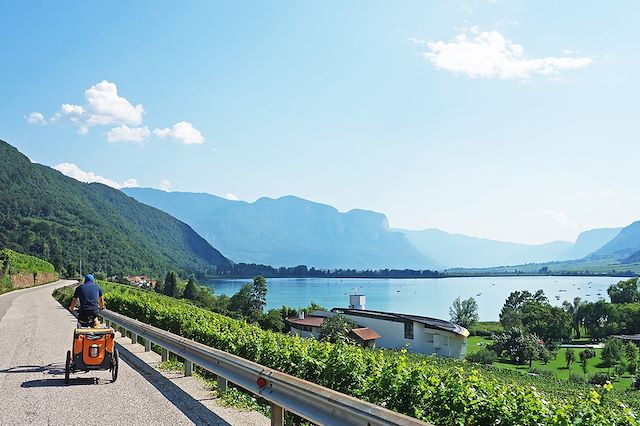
308,400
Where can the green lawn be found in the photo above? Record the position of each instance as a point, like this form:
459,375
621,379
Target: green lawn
558,365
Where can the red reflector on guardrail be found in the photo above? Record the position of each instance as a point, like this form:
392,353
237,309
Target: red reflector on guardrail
262,382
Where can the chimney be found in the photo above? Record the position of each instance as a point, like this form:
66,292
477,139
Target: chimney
357,301
301,315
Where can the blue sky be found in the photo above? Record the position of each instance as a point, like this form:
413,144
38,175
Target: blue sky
508,120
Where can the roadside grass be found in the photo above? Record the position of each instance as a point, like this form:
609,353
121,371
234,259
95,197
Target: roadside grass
556,366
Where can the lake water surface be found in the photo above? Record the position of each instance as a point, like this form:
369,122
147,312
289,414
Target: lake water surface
428,296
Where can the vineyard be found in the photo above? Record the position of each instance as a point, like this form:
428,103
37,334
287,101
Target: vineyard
436,390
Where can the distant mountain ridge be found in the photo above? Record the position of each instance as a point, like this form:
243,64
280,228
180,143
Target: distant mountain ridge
49,215
290,231
625,246
457,250
462,251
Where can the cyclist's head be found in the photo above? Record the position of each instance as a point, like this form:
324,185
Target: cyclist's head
88,278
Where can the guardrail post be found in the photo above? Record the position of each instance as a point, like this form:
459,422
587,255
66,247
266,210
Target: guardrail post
147,345
277,415
134,338
188,367
222,384
165,354
123,332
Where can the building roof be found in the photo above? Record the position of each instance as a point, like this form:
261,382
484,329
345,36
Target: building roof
435,323
365,333
323,314
310,321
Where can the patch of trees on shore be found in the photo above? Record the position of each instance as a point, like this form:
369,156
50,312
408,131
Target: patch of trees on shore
247,270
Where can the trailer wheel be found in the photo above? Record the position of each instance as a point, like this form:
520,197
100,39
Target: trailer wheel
114,366
67,368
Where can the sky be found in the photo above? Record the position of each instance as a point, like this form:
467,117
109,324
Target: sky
512,120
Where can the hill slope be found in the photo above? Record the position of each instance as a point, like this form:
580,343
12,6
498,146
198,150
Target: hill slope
588,242
47,214
625,246
457,250
290,231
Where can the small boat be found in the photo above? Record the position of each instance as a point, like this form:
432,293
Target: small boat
479,294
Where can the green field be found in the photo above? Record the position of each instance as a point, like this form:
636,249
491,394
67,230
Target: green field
557,365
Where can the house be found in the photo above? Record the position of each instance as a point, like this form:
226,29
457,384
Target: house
309,326
418,333
139,280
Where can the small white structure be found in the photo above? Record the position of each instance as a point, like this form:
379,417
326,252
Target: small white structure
357,301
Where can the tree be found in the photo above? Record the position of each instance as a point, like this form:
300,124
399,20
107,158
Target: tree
159,288
251,298
336,328
570,357
613,352
71,270
584,357
191,290
464,312
573,310
171,284
272,320
511,313
624,291
518,345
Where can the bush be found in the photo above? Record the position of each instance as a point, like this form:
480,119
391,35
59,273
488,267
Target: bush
483,356
600,378
577,378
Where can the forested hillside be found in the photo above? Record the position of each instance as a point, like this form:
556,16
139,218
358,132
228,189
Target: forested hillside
52,216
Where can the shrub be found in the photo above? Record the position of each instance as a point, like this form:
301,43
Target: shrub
600,378
483,356
576,378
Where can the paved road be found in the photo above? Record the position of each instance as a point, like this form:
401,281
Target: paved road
35,333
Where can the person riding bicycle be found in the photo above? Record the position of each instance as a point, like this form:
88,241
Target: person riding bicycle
91,301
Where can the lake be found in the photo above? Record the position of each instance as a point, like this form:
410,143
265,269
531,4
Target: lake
427,296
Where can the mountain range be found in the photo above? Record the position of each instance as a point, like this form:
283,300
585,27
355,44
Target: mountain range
49,215
290,231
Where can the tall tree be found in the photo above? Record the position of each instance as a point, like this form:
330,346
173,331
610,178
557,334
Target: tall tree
251,298
171,284
624,291
464,312
191,290
573,309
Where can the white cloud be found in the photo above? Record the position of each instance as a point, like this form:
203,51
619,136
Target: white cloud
182,131
36,118
490,55
72,170
416,40
564,220
165,185
70,109
103,106
130,183
128,134
232,197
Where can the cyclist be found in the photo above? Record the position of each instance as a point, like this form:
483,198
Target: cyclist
91,301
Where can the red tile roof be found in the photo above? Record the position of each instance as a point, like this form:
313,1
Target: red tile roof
366,333
308,321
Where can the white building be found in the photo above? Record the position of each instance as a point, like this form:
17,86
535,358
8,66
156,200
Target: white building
419,334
